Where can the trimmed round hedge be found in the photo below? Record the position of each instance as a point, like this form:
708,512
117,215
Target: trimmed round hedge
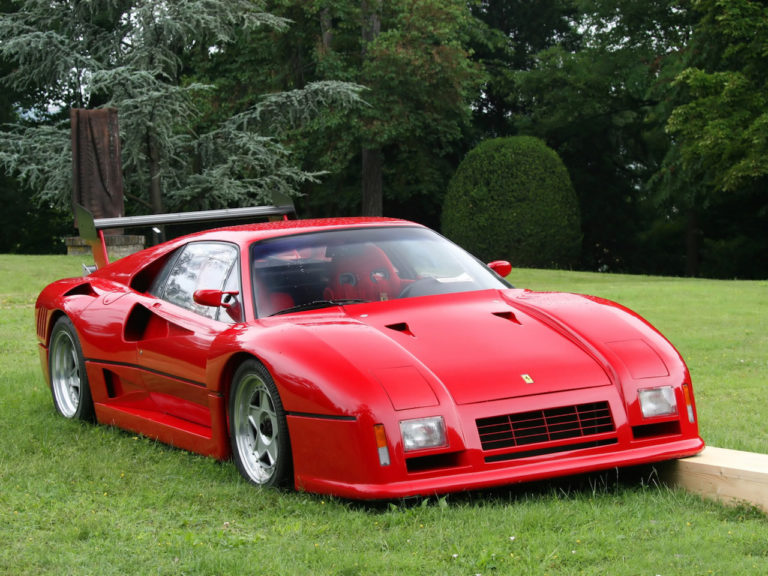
512,199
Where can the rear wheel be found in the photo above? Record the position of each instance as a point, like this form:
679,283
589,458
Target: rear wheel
257,427
66,366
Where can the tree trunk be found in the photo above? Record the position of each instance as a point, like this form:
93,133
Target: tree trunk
373,198
326,30
692,241
371,16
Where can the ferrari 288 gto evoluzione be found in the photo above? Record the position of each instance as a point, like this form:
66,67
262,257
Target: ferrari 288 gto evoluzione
367,358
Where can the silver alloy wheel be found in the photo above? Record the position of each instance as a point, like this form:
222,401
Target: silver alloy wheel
65,373
255,429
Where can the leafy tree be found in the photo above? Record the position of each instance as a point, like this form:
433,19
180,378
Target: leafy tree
421,83
24,227
512,34
658,110
512,198
599,107
411,56
129,54
719,126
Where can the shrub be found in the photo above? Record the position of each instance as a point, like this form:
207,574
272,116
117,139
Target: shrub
512,199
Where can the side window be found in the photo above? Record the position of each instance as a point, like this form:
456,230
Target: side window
201,265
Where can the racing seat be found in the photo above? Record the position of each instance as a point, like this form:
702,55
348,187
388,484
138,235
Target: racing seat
267,303
277,301
362,272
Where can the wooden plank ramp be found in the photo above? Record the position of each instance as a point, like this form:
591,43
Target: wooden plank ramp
729,476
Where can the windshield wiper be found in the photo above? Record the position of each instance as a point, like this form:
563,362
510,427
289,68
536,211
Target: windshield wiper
316,304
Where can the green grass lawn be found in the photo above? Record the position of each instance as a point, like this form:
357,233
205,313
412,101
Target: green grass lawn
82,499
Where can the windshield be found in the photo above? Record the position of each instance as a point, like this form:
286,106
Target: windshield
361,265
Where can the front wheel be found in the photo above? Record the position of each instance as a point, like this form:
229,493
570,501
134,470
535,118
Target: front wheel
66,366
257,427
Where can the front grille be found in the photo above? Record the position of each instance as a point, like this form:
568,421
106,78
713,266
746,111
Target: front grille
540,426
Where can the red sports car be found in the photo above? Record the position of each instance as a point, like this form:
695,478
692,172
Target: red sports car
361,357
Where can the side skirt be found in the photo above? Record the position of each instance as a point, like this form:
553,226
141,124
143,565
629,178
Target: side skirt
170,430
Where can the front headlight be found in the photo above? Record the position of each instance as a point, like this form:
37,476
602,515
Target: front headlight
423,433
657,401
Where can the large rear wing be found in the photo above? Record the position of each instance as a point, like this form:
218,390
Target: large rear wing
92,229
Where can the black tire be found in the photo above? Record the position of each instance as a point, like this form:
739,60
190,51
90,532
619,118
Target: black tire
258,430
68,378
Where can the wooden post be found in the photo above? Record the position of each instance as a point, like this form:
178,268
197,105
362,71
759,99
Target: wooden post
729,476
97,174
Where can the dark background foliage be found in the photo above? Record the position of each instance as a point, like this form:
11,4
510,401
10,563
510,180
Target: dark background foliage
658,109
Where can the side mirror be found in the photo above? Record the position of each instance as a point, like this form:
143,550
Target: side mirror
501,267
214,298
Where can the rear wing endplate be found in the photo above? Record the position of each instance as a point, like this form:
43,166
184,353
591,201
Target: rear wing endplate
92,229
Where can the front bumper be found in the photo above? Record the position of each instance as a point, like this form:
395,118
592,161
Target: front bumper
472,462
464,479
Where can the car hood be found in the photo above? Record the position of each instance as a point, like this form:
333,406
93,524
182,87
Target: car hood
478,345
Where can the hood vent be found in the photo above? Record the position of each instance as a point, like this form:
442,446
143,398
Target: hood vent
508,315
401,327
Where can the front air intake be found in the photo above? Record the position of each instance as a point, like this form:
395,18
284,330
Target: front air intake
542,426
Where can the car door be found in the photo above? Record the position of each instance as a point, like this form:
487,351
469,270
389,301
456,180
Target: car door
173,350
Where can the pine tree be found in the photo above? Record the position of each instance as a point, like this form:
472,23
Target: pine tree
129,54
